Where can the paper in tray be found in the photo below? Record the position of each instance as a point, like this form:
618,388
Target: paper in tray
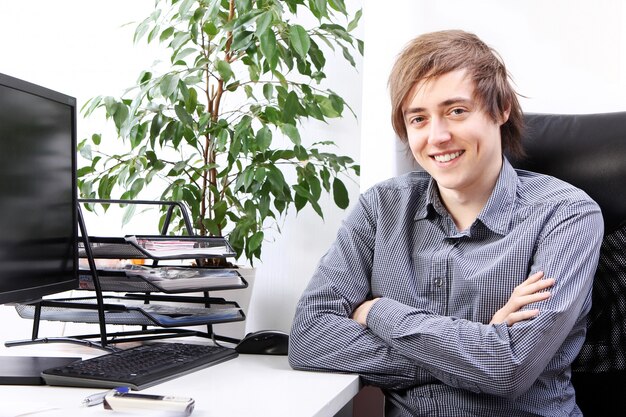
135,312
172,278
182,247
158,247
168,279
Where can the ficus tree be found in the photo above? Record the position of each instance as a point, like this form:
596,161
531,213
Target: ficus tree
221,122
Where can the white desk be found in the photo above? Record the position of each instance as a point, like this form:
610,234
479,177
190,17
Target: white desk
250,385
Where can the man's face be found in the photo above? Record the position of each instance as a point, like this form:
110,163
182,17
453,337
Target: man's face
452,137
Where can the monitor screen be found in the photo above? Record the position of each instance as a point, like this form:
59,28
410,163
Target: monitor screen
38,223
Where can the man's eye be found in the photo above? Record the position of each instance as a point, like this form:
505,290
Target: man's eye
417,119
458,111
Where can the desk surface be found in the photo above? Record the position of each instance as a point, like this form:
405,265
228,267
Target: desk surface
249,385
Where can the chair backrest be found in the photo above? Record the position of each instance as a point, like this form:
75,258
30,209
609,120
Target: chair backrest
589,152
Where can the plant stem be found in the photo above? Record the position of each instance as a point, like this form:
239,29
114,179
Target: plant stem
215,101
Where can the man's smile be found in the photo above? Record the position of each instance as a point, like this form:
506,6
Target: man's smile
446,157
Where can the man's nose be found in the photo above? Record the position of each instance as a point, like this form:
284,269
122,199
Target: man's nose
439,131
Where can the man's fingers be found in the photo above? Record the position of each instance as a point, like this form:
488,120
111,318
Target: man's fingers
539,286
535,286
521,316
533,278
522,301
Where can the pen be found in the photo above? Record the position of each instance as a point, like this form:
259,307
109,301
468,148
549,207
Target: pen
98,398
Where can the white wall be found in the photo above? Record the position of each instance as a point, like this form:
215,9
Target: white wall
81,48
564,55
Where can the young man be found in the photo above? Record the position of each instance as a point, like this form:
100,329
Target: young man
436,287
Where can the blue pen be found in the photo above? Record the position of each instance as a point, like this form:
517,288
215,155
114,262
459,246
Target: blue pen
98,398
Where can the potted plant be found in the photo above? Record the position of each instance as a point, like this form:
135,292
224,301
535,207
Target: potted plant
219,125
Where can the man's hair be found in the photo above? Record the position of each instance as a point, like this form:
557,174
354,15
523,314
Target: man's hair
437,53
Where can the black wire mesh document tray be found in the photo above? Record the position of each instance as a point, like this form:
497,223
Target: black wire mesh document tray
167,279
128,311
159,247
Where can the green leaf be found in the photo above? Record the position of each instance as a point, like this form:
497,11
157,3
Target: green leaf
355,22
348,56
129,213
277,180
166,34
91,105
327,107
263,23
185,53
145,77
168,85
183,115
96,138
291,108
292,132
338,5
340,194
81,172
320,8
302,191
140,31
242,40
219,209
299,40
317,56
263,138
210,29
269,49
211,226
224,69
337,103
301,153
120,115
299,201
255,241
155,127
185,6
325,175
268,91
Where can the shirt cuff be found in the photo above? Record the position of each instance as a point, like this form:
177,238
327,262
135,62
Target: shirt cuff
384,315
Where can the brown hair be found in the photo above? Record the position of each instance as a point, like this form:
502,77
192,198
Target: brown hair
437,53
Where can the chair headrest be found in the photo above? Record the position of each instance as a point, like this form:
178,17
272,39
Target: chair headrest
588,151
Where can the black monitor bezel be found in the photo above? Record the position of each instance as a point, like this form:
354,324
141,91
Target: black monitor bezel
36,293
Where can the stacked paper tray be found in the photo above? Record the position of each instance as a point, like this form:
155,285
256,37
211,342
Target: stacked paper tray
124,311
158,247
166,279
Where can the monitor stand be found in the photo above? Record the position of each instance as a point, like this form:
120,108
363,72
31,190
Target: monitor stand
26,370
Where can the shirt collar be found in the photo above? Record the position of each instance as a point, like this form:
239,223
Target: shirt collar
497,213
431,204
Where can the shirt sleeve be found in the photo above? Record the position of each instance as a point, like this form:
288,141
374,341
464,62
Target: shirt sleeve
324,337
497,359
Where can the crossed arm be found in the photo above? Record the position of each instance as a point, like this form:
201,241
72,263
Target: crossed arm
528,292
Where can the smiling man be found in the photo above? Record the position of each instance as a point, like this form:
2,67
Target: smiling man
436,289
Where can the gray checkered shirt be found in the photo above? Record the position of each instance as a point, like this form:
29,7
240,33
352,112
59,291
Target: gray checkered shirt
428,343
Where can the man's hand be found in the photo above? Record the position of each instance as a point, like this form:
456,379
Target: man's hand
360,313
529,291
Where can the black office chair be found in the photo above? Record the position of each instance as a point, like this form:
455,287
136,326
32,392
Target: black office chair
589,151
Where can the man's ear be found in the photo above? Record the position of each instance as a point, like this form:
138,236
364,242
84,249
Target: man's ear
504,117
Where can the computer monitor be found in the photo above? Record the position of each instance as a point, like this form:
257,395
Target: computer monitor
38,218
38,211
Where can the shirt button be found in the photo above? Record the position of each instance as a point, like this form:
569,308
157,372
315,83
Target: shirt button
438,282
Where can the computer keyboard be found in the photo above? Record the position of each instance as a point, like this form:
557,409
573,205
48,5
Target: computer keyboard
138,367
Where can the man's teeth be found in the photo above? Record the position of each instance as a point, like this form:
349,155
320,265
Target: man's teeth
447,157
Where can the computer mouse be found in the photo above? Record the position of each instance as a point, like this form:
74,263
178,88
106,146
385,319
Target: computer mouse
264,342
